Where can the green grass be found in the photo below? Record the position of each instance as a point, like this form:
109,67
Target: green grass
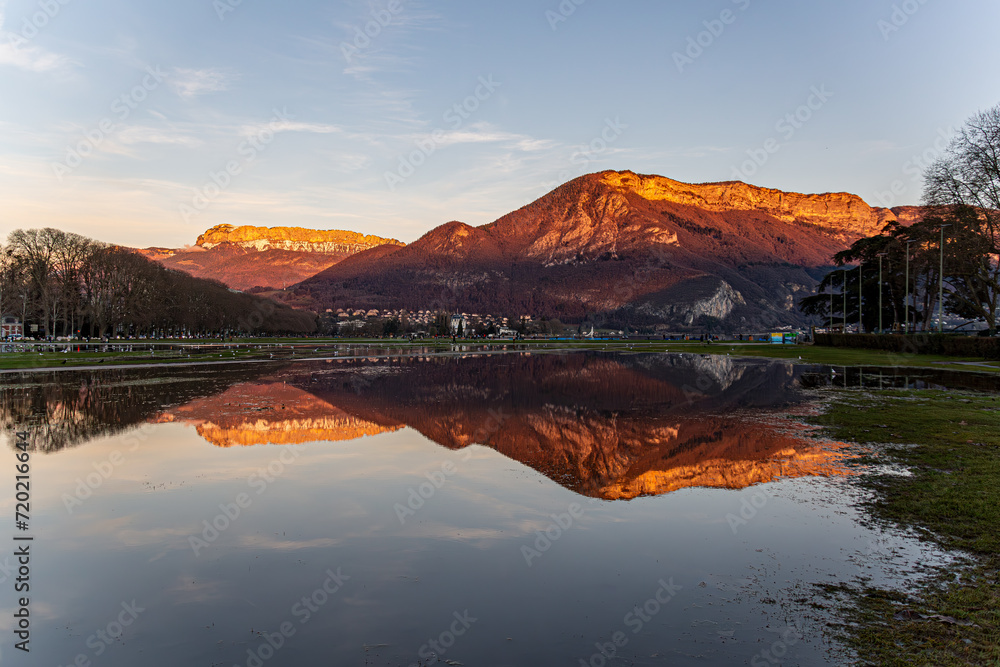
806,353
951,443
22,361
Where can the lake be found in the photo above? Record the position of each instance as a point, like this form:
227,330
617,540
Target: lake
463,508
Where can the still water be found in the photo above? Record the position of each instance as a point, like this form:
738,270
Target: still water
493,510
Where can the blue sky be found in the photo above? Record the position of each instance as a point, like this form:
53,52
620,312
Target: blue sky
147,123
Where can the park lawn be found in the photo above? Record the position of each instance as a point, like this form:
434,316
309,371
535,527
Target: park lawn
45,360
950,441
807,354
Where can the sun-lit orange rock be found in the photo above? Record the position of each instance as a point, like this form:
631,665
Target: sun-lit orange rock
270,414
841,211
248,257
292,238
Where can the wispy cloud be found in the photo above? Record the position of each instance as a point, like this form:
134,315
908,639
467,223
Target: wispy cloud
290,126
15,51
30,58
139,134
190,83
367,51
311,128
486,133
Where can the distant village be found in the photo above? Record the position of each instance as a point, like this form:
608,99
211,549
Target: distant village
374,322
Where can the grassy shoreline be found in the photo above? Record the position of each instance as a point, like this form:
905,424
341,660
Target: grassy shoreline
283,348
950,442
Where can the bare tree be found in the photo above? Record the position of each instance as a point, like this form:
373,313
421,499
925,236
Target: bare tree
969,171
33,251
967,177
6,280
50,260
66,282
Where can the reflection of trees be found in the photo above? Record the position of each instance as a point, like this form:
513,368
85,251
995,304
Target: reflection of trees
901,377
67,409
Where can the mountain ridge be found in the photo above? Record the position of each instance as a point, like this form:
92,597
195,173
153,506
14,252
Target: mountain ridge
291,238
246,257
619,245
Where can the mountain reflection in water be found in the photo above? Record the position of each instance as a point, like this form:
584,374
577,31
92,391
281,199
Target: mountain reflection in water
270,413
610,427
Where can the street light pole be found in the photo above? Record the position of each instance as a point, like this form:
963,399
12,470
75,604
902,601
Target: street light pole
906,300
843,292
941,285
861,296
880,256
831,307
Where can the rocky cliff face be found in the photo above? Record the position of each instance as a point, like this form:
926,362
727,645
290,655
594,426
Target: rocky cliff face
907,215
576,225
278,257
291,238
838,212
717,300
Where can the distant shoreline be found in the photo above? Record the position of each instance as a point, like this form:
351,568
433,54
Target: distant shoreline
273,351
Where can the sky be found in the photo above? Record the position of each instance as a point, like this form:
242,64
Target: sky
145,123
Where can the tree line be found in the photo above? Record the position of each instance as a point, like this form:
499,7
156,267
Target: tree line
948,262
70,285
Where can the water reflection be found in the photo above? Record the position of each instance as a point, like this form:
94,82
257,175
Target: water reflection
901,377
270,413
606,427
69,409
219,523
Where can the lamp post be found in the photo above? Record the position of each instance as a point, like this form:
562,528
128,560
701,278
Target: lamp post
861,296
941,285
880,256
831,307
906,300
843,291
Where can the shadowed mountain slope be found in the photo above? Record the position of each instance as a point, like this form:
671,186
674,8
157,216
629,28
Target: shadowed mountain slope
622,247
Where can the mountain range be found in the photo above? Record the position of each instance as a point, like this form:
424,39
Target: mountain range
611,247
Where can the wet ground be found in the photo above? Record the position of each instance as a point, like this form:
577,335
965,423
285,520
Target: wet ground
494,510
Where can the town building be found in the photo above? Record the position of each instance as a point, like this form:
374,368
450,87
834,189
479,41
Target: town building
11,326
459,322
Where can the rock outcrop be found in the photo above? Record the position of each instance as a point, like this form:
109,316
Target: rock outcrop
839,212
278,257
706,297
292,238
